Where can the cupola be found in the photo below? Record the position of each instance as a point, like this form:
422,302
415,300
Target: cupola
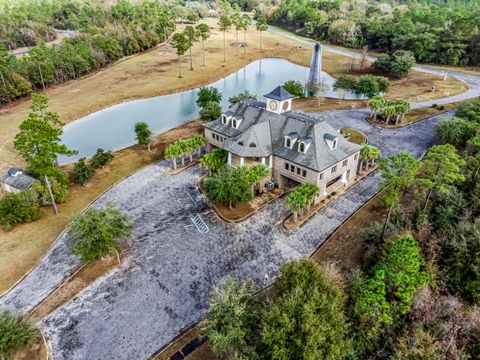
279,100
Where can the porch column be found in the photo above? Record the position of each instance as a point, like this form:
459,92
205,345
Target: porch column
325,189
241,160
263,161
229,160
344,178
270,161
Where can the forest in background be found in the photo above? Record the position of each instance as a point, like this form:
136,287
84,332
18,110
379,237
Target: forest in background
436,31
106,33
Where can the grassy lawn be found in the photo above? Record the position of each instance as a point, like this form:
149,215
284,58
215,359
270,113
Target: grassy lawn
356,137
22,247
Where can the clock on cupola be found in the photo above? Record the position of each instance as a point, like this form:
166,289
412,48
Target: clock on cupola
279,100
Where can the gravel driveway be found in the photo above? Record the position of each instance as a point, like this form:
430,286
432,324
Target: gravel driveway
164,284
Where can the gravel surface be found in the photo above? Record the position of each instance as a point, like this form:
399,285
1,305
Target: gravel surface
164,284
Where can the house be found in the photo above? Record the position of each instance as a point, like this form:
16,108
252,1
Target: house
298,147
14,180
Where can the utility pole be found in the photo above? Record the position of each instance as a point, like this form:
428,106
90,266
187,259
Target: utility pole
51,195
41,76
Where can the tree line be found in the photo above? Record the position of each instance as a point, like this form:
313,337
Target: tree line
434,31
106,35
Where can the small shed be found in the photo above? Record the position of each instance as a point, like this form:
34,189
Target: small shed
14,180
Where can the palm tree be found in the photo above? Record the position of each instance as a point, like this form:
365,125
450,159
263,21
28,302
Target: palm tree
172,152
390,111
311,191
296,202
203,32
369,154
192,36
261,26
403,107
376,104
224,23
183,146
199,141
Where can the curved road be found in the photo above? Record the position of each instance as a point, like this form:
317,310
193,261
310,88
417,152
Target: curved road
472,81
164,284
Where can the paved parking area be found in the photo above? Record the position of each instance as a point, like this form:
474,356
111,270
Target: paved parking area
164,284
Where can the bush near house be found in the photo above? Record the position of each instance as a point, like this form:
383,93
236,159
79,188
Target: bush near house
295,88
20,207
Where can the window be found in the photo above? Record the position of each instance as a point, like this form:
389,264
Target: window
301,147
345,163
234,123
286,166
288,142
298,171
335,143
252,145
334,169
356,156
320,177
224,119
304,173
292,169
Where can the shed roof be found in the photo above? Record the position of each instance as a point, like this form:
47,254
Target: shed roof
279,93
17,179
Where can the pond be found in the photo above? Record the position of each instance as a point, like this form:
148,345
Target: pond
112,128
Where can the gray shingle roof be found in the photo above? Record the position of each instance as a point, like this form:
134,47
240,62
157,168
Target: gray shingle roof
279,93
17,179
268,130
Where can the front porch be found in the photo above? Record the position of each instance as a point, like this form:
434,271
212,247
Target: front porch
237,161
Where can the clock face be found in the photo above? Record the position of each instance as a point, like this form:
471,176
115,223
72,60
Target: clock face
285,106
273,105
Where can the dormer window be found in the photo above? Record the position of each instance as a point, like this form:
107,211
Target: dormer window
331,140
236,122
288,142
224,119
302,147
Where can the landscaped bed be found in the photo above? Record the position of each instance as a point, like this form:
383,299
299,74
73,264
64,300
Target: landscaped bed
242,210
290,224
355,136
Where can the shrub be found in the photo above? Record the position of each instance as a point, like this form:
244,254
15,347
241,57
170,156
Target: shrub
15,333
143,133
211,111
95,232
244,95
59,191
295,88
101,158
207,95
17,208
83,172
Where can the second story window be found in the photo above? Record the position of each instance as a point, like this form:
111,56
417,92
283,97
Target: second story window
224,119
288,142
334,169
301,147
345,163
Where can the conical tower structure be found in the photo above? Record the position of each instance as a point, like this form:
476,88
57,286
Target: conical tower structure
315,74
